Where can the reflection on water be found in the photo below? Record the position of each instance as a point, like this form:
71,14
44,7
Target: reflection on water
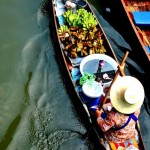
35,109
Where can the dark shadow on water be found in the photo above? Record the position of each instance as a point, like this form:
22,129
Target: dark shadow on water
26,89
9,134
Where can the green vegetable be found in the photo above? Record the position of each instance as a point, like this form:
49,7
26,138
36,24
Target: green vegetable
87,77
82,18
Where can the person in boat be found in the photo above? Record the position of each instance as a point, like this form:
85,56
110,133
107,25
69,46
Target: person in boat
118,117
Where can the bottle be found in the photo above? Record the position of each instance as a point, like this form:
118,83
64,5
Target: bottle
100,66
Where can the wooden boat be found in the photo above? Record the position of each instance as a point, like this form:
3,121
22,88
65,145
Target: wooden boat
138,13
65,61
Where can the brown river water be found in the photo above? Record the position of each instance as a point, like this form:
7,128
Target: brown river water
36,112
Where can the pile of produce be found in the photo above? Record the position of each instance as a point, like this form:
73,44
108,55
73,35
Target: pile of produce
80,35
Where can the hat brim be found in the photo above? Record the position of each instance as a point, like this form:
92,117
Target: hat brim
117,94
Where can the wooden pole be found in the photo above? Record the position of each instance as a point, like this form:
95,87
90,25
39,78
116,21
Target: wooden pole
116,75
144,37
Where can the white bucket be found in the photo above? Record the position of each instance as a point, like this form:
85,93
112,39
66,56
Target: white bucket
93,91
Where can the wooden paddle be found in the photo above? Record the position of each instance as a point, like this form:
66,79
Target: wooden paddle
116,75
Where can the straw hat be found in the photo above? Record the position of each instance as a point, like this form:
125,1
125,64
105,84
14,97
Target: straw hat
127,94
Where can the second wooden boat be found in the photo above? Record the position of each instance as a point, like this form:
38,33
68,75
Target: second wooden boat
72,45
138,13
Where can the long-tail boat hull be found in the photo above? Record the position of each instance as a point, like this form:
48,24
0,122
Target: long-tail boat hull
66,67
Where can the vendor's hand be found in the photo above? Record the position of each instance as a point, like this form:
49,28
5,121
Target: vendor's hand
98,113
107,107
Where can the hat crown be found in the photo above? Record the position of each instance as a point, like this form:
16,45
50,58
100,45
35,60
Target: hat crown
131,95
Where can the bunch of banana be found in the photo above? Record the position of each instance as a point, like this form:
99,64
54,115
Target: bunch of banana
63,30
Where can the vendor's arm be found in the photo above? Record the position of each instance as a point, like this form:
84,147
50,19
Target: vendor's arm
105,121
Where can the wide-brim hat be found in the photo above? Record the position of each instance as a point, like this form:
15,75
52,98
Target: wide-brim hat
127,94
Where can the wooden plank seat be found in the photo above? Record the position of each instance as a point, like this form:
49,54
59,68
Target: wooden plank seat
148,49
141,18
